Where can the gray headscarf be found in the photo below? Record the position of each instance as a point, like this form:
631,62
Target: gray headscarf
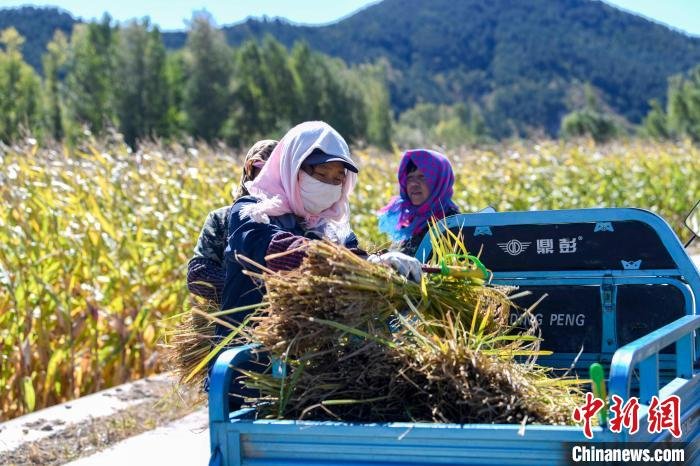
259,153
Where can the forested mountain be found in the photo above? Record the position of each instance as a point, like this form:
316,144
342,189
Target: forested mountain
517,58
523,62
37,26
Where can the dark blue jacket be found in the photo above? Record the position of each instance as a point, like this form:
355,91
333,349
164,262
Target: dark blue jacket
252,240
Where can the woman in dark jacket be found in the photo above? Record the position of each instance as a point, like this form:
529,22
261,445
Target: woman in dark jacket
426,181
300,195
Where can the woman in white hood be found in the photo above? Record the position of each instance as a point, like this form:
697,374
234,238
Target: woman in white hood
301,194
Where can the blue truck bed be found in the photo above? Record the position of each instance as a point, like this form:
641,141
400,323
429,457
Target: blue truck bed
624,294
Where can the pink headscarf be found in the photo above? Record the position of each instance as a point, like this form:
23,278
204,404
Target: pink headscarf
277,185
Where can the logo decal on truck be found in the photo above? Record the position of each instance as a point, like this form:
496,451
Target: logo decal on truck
631,265
514,247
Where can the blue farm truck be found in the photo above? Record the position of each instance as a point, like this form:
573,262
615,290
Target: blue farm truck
621,291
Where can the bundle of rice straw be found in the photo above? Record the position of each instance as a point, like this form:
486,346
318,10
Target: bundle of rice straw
191,341
361,343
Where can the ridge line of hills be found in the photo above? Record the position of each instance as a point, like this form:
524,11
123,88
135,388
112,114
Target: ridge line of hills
524,61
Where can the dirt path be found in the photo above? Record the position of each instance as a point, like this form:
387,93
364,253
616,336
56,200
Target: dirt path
161,404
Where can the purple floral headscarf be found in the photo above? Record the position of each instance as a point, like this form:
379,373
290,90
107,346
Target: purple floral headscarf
400,218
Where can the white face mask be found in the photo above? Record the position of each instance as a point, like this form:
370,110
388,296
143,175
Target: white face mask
317,195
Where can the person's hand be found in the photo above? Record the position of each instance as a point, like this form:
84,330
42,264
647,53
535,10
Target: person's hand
408,266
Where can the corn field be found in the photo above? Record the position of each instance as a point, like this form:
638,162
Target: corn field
94,242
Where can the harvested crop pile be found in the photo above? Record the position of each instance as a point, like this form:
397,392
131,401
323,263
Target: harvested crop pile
191,341
360,343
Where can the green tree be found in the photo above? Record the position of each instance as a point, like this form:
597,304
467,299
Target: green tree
272,90
176,80
655,124
19,89
377,102
252,105
157,87
130,80
344,107
461,124
141,95
321,85
54,61
276,71
208,65
470,116
328,90
590,121
89,81
423,116
684,105
448,125
306,72
682,115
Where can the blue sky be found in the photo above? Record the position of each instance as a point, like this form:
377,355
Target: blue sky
171,14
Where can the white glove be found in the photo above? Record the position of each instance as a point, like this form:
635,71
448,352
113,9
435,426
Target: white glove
408,266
